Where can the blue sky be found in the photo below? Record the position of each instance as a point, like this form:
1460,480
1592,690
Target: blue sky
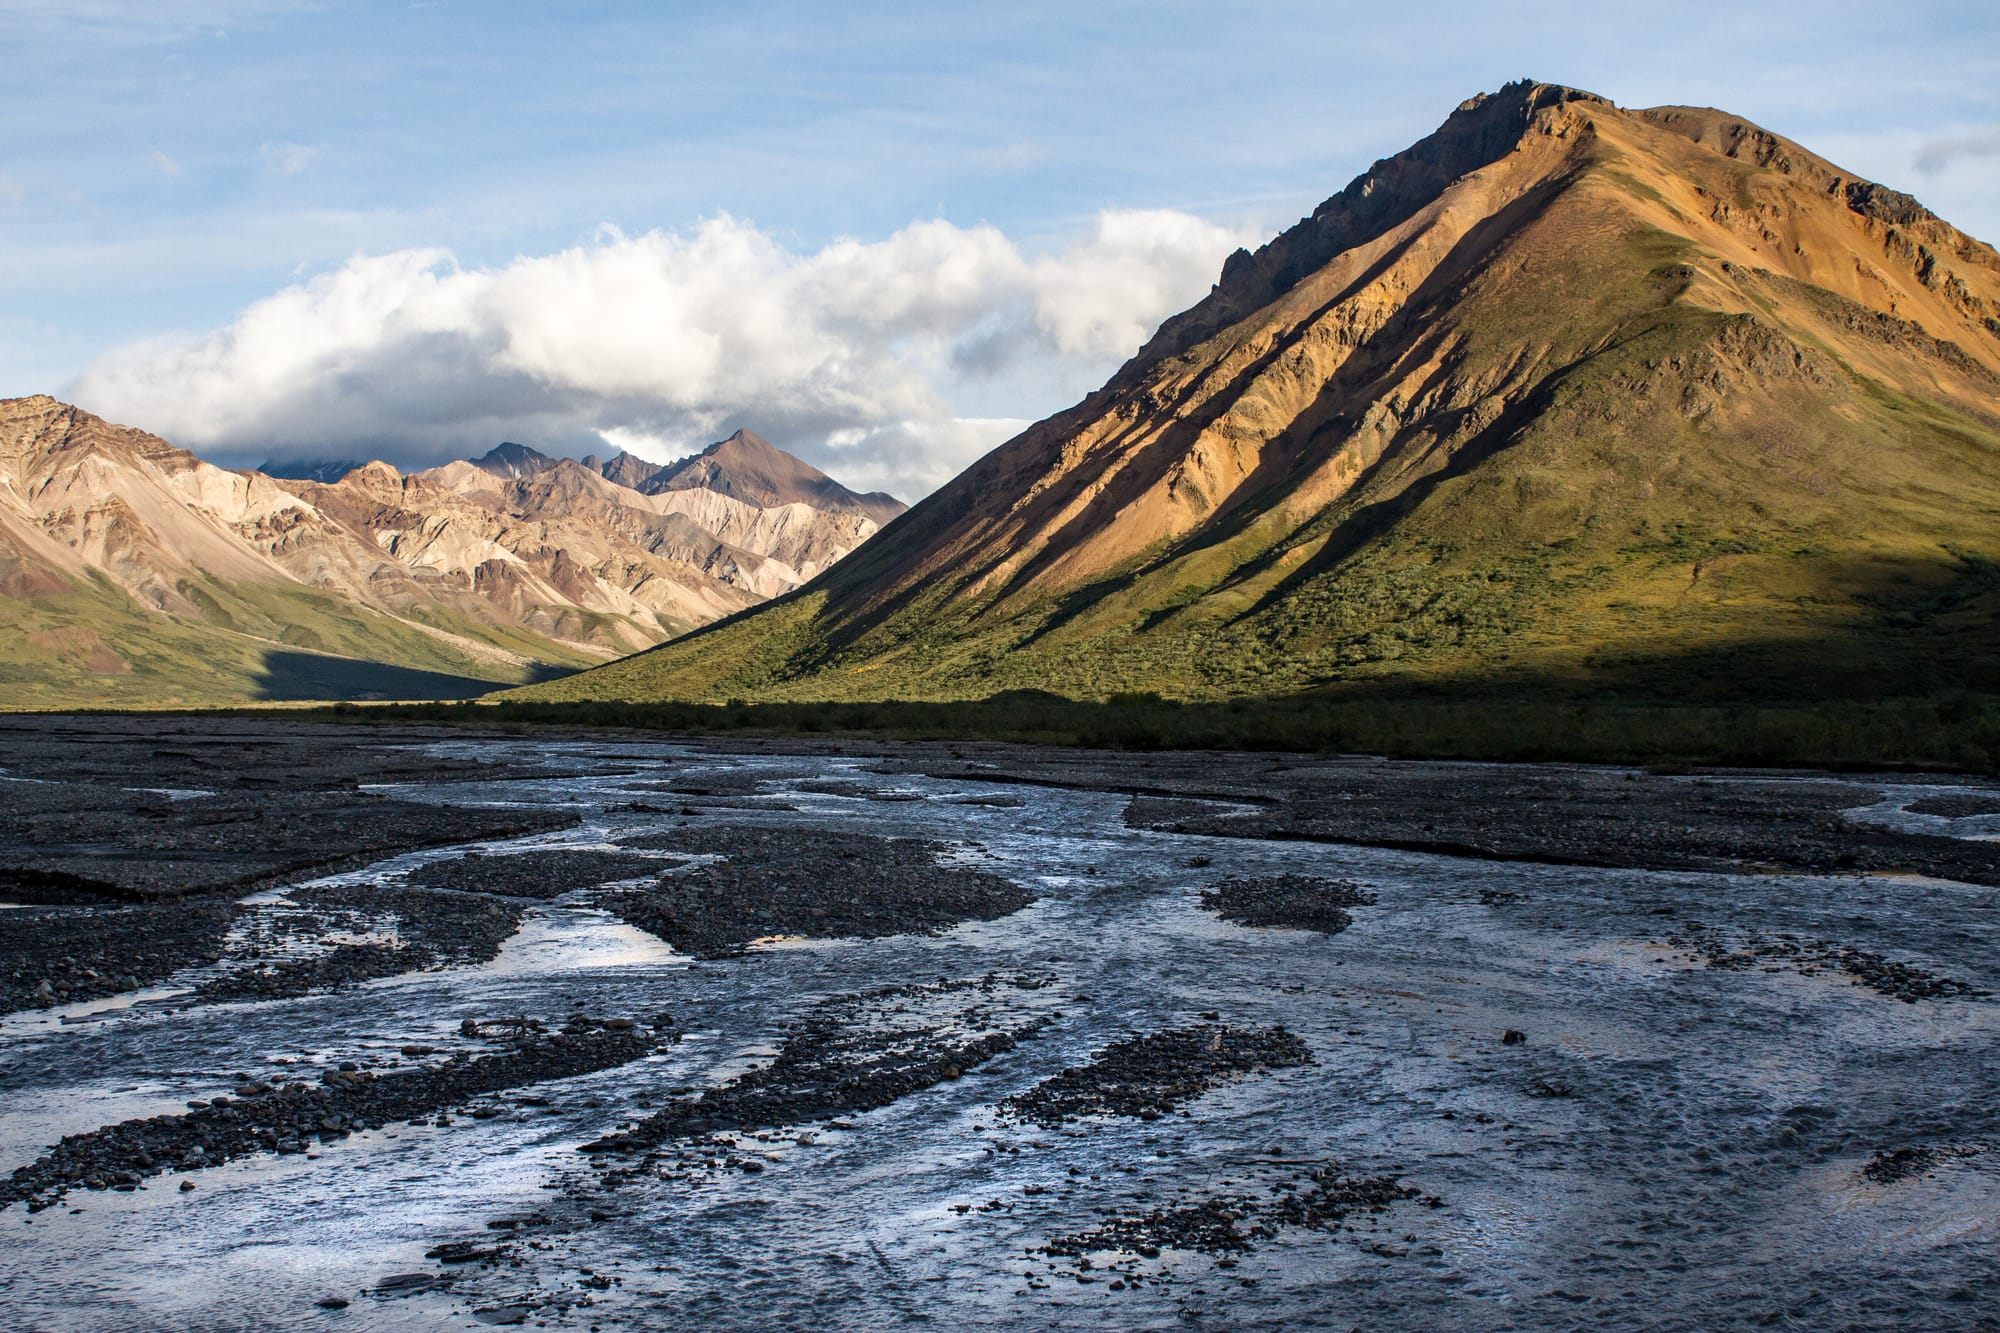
167,171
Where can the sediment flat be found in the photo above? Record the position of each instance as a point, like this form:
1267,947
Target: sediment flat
632,1031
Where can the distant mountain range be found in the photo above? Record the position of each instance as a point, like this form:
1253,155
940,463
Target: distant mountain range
1642,401
132,571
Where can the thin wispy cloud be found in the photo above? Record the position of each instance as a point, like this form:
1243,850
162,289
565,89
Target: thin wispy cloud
163,164
287,159
1016,156
1939,155
137,22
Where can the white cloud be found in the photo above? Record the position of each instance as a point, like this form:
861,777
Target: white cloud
914,458
163,164
1016,156
287,159
864,356
10,191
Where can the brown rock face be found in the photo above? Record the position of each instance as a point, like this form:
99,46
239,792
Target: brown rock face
476,568
749,468
1561,383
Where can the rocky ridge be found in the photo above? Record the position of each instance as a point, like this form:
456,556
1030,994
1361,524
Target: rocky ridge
134,571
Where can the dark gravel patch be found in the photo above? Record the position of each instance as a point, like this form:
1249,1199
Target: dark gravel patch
432,930
1892,1165
1558,814
1234,1223
1955,807
853,1054
75,843
287,1118
817,884
1303,902
1885,976
60,955
547,874
1561,816
1150,1075
224,754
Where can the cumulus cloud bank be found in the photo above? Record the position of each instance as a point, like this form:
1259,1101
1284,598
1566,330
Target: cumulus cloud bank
862,357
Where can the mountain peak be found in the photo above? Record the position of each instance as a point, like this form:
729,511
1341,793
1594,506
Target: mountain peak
513,461
1481,131
748,467
1561,384
627,469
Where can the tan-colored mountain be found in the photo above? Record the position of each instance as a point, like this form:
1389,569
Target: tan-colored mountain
1646,400
134,572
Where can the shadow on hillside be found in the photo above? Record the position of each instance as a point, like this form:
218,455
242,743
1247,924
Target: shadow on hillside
295,677
1524,719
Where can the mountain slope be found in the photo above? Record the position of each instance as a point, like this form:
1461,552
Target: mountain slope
133,572
1648,400
749,468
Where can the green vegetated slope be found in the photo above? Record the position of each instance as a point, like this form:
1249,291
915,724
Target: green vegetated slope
1651,404
254,642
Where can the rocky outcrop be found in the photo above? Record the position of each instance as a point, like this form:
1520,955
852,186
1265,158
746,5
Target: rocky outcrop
750,469
485,567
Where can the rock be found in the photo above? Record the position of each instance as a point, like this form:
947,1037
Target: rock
1513,1037
830,885
1144,1076
283,1119
333,1303
1300,902
186,1186
402,1284
461,1252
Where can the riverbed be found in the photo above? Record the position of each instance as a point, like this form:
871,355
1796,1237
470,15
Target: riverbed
1488,1090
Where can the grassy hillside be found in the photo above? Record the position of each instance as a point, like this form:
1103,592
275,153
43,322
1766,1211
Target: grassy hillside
1702,508
1565,401
266,643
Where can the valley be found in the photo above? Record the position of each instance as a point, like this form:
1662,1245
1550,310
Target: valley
1420,751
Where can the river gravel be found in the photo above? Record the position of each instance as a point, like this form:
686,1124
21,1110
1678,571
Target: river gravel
1507,1094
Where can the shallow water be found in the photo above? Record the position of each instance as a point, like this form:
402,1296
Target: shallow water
1674,1144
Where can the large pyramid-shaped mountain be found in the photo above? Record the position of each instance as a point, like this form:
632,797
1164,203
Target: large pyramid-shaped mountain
1646,399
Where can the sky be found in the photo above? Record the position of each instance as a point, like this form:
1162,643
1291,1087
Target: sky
885,236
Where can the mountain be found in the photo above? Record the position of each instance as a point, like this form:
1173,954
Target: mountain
327,470
514,462
625,469
1648,402
134,572
749,468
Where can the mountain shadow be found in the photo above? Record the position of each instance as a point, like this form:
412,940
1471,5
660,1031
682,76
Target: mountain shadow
293,677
